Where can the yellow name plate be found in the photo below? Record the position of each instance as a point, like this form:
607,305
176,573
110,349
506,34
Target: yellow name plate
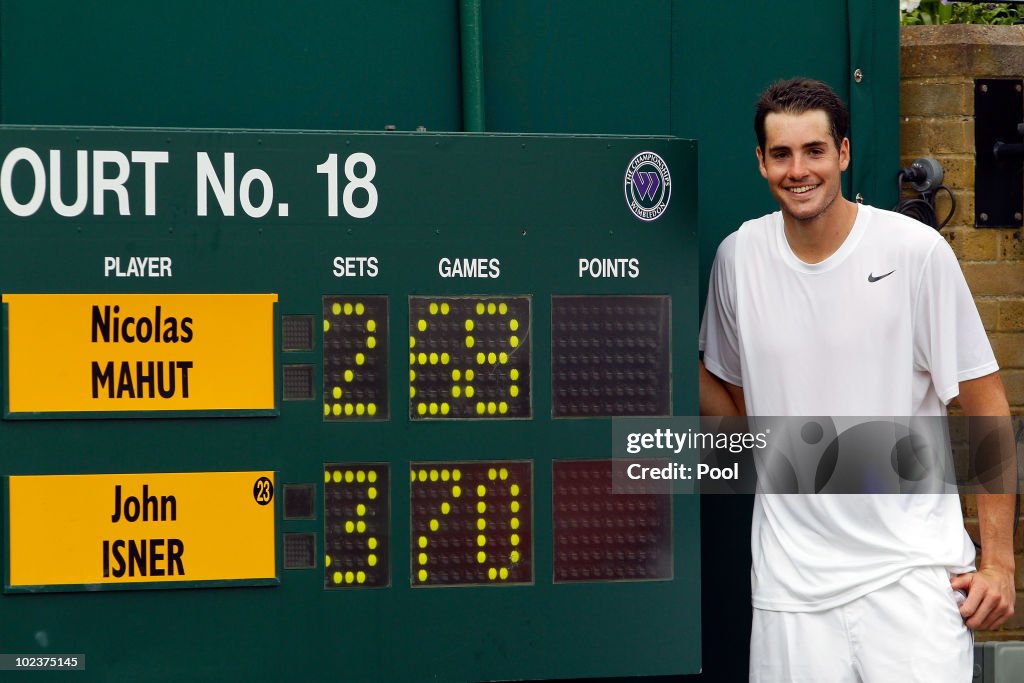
84,530
103,353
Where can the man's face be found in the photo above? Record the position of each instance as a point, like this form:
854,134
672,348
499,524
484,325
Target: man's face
801,163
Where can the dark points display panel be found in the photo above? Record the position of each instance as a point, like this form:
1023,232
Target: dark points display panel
469,357
356,526
355,358
610,356
471,523
601,536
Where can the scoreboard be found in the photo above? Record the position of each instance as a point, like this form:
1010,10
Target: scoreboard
294,404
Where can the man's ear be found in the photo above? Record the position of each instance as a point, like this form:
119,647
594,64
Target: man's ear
760,162
844,154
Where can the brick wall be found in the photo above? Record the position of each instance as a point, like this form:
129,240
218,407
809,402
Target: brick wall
938,66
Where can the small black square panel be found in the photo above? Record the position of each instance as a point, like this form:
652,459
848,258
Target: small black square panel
299,551
298,383
610,356
297,332
298,501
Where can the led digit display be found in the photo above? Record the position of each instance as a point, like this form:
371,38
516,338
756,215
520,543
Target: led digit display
601,536
355,358
471,523
469,357
356,523
610,356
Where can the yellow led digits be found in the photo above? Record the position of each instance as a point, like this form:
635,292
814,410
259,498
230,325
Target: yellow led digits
479,335
353,343
480,542
354,517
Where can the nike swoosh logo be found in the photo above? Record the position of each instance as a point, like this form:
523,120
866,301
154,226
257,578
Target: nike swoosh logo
872,278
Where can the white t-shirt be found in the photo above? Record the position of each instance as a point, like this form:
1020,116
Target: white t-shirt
886,326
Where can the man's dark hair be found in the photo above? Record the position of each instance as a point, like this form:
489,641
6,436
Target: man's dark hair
799,95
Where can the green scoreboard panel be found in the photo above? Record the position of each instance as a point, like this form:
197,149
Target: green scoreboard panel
338,406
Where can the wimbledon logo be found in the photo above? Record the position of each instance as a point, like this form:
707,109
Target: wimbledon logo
648,186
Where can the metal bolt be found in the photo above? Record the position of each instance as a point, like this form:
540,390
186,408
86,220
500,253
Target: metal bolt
859,198
1017,216
421,129
390,127
1018,87
983,216
858,75
984,87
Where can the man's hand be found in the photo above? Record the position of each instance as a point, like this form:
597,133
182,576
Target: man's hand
991,593
990,597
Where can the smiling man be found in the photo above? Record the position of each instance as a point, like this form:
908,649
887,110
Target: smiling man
828,307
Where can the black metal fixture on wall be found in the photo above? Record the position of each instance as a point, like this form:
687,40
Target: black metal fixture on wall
999,152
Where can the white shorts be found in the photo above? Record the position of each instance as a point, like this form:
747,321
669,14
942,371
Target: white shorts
906,632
